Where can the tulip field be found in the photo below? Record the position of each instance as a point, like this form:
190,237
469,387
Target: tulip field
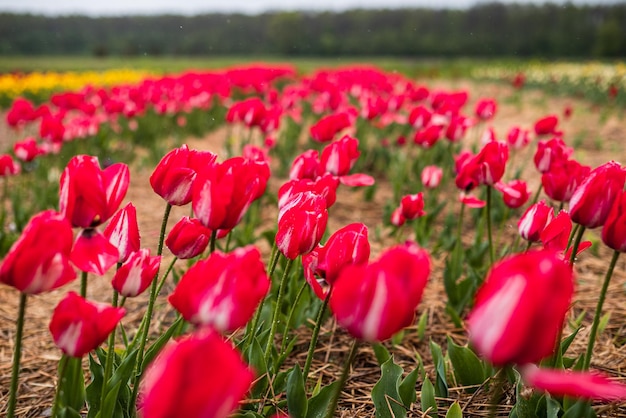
259,241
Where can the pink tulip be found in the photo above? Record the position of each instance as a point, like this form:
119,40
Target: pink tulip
431,176
39,260
136,274
88,195
173,177
27,150
79,326
198,376
375,301
339,157
592,200
520,308
223,290
347,246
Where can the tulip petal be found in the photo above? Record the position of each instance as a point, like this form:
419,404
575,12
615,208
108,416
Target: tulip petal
93,253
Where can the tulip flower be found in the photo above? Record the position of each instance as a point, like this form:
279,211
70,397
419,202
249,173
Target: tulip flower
397,219
514,193
93,252
8,166
198,376
188,238
327,127
338,159
21,111
576,384
223,192
305,166
79,326
520,308
457,127
551,152
517,138
123,232
614,229
301,224
325,186
428,136
88,195
485,109
347,246
222,291
431,176
592,200
471,201
491,161
250,111
136,274
173,177
534,220
563,179
419,117
556,233
547,125
375,301
412,206
39,260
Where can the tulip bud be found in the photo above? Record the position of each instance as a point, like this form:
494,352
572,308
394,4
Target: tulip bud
301,224
123,232
136,274
534,220
412,206
431,176
188,238
614,229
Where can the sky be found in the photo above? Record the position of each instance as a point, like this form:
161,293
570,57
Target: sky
189,7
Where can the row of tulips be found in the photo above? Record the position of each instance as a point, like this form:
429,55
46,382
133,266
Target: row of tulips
514,303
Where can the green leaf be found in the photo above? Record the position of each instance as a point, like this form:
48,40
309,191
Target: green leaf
296,394
455,411
121,376
72,385
320,402
68,412
441,384
604,321
579,409
421,325
468,368
407,391
427,398
385,393
107,410
381,353
94,390
256,359
156,347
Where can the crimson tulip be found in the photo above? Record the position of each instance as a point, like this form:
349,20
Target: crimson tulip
486,109
375,301
534,220
250,111
327,127
428,135
547,125
27,150
518,138
173,177
431,176
123,232
614,229
520,308
301,224
79,326
592,200
514,193
305,166
198,376
325,186
136,274
412,206
349,245
563,179
188,238
397,219
419,117
551,152
39,260
88,195
93,252
340,156
223,290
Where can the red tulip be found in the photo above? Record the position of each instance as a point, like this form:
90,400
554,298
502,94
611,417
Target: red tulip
614,229
223,192
21,111
592,200
27,150
396,217
39,260
173,177
471,201
188,238
547,126
419,117
431,176
514,193
518,138
486,109
305,166
339,157
551,152
560,182
327,127
347,246
556,233
520,308
223,290
123,232
375,301
412,206
93,252
428,136
576,384
492,160
79,326
534,220
8,166
457,127
136,274
198,376
301,224
325,186
88,195
250,111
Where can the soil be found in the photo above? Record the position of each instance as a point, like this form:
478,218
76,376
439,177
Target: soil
597,136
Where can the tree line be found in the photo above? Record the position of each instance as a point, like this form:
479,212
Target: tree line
485,30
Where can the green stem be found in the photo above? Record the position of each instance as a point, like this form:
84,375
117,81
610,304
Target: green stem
342,380
536,196
143,336
57,396
167,273
596,317
108,368
314,336
579,237
571,236
279,301
213,239
497,391
492,255
17,356
83,284
283,346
